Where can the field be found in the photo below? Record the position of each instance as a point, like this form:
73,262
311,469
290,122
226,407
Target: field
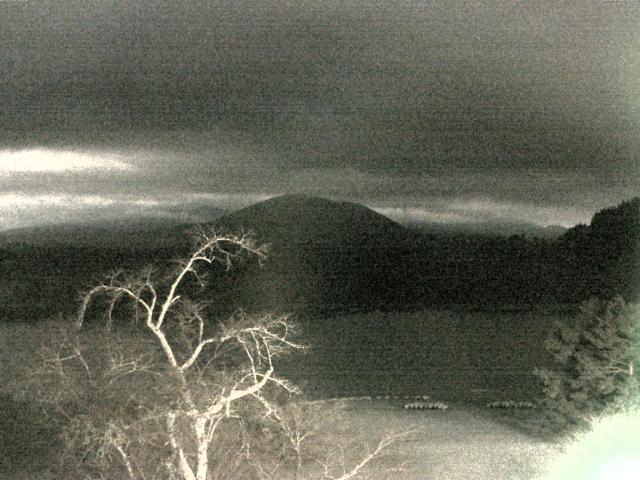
463,358
463,442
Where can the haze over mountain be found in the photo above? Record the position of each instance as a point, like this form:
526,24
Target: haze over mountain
164,227
124,233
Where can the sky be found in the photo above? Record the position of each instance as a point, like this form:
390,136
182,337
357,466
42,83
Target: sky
465,111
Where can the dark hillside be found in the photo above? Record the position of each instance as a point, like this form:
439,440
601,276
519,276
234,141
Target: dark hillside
604,257
601,259
328,256
502,229
44,268
290,219
343,256
136,233
40,282
325,255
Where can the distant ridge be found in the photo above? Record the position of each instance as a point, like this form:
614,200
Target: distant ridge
604,256
329,256
502,229
120,233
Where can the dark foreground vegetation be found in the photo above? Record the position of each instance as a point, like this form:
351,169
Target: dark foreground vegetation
595,364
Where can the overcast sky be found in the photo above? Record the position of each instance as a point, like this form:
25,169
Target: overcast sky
438,111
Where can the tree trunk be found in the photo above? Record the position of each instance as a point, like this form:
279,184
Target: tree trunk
203,447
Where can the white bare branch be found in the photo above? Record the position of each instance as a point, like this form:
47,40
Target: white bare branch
383,444
114,291
207,373
196,352
126,461
209,248
185,469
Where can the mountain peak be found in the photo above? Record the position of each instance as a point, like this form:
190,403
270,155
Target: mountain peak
324,254
309,218
303,201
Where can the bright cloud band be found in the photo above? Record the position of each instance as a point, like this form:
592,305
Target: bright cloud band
42,160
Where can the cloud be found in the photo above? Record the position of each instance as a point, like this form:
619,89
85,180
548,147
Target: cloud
388,103
22,210
483,210
22,201
381,85
47,161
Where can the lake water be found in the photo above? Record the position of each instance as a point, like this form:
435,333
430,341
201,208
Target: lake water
462,355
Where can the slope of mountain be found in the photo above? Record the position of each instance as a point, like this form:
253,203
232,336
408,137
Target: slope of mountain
604,256
44,268
302,219
332,256
324,255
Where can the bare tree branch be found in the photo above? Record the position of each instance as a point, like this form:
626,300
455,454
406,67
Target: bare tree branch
383,444
204,381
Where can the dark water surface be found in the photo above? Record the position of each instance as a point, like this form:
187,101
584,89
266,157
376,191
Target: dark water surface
456,355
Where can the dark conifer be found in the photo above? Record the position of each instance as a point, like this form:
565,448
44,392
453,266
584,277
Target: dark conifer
596,362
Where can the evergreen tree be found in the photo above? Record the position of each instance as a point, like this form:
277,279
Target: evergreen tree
596,359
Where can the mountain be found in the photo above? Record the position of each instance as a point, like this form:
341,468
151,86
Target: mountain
303,219
324,255
604,256
327,256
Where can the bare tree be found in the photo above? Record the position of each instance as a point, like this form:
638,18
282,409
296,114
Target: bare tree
189,399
